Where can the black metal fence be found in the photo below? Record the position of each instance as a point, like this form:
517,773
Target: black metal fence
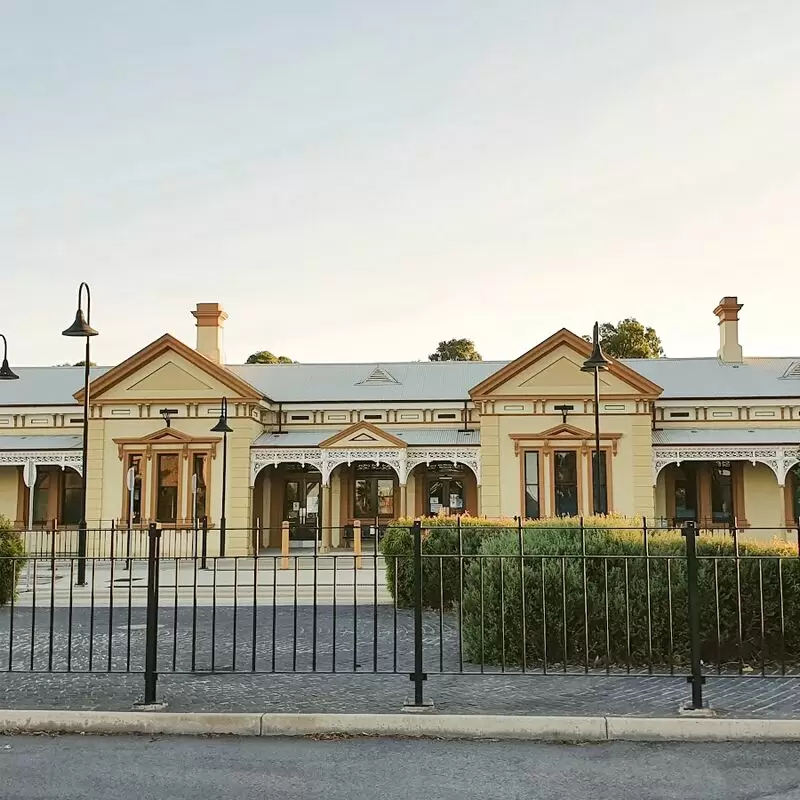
438,601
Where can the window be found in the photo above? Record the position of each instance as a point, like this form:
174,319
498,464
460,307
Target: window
374,497
565,482
71,497
134,508
794,486
685,492
199,465
721,492
167,488
41,496
532,507
600,505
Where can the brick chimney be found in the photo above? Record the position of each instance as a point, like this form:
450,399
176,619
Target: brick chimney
730,351
210,319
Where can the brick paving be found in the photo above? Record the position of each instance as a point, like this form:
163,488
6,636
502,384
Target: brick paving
355,642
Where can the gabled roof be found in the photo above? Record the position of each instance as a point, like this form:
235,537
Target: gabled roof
369,432
646,387
168,343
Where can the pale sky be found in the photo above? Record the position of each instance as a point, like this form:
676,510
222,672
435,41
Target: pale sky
355,181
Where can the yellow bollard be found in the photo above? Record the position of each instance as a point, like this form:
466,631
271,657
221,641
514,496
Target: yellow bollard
357,542
284,545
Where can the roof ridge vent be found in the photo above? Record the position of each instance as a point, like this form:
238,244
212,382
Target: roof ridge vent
378,377
793,370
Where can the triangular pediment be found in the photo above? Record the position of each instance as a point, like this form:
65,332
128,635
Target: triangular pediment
168,369
363,434
171,437
553,369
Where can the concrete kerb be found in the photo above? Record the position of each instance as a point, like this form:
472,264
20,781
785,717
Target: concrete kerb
440,726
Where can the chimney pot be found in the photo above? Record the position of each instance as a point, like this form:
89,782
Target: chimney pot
210,320
730,351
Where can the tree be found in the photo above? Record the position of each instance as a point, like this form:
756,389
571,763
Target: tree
629,339
456,350
265,357
83,363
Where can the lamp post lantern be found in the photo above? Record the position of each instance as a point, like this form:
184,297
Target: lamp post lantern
596,363
81,328
223,428
6,373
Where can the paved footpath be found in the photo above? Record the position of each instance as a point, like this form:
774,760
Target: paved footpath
233,657
131,768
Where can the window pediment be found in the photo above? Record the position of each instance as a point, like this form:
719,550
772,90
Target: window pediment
167,439
560,434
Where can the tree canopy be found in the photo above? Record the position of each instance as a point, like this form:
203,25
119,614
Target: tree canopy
265,357
629,339
456,350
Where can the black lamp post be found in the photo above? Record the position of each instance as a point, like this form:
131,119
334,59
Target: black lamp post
596,363
6,373
223,428
82,328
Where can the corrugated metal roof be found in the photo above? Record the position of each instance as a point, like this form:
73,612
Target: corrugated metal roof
17,443
413,380
724,436
709,377
44,386
431,380
415,437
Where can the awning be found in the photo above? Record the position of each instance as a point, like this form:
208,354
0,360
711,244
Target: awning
60,451
719,437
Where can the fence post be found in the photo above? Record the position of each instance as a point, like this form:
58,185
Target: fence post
696,679
418,676
357,542
151,634
204,543
285,544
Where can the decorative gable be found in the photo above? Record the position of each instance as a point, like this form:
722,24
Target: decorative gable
363,434
167,439
168,369
553,369
563,433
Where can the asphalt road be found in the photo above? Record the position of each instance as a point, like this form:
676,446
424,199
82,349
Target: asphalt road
132,768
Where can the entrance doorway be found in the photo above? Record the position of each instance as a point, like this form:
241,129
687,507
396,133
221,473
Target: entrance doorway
301,508
444,495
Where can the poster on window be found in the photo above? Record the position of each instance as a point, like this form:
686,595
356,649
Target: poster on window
312,504
456,501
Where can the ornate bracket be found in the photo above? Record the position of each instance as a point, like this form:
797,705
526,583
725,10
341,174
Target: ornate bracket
44,458
779,459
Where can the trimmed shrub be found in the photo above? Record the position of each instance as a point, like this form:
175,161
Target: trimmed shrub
441,581
11,548
627,624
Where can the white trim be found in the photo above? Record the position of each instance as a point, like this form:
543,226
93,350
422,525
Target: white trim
779,459
401,459
58,458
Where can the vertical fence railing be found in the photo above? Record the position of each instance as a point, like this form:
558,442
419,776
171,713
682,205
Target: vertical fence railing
151,635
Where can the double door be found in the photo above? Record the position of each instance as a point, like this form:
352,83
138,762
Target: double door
302,509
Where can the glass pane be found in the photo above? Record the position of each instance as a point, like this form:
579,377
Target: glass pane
532,510
364,502
291,502
795,476
385,498
135,462
312,502
685,493
71,498
41,496
566,483
456,501
435,497
721,492
600,506
199,463
167,499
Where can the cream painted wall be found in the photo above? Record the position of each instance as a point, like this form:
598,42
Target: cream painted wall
763,500
661,496
9,488
631,468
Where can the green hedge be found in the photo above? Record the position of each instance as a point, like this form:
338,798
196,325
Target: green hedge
440,537
553,578
11,546
616,601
